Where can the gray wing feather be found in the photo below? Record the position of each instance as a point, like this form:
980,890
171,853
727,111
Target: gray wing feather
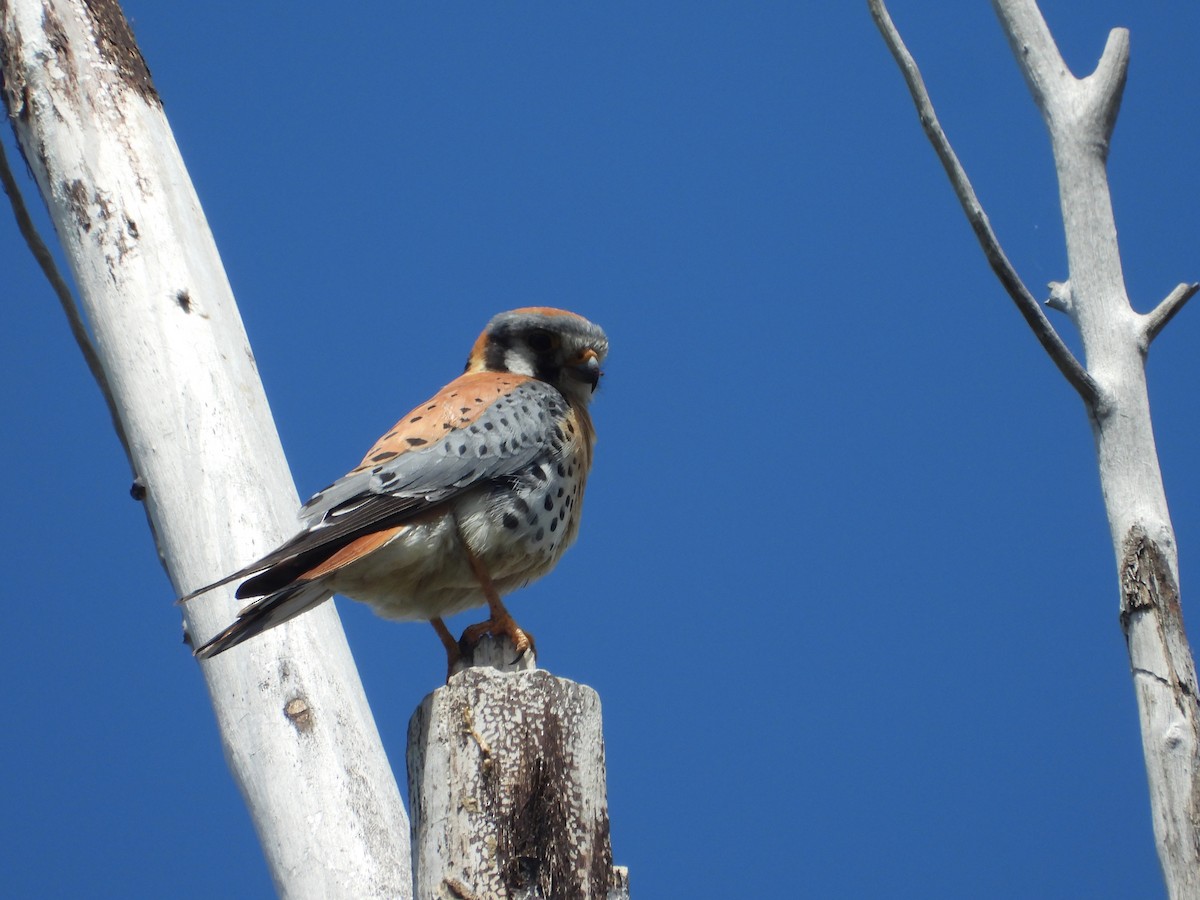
509,436
506,438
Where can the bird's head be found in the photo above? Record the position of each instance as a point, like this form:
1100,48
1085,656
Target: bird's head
552,345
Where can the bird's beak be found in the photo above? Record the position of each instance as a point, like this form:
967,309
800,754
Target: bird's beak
587,369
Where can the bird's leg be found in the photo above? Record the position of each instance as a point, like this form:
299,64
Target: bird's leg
453,654
501,623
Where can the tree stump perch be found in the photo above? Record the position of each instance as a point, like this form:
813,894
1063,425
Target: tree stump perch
507,786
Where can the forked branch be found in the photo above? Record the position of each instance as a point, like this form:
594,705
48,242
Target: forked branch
1058,94
1156,320
1059,352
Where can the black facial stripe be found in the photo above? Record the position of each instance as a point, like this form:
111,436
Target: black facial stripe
497,348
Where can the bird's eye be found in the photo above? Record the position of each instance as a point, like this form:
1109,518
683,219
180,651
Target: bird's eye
540,341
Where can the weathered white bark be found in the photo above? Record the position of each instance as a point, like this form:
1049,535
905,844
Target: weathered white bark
506,776
1080,115
298,734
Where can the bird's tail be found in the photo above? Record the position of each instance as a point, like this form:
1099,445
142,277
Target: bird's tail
266,612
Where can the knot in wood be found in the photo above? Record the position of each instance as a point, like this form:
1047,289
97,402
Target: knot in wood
299,713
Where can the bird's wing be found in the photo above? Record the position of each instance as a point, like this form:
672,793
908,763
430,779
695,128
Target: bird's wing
480,427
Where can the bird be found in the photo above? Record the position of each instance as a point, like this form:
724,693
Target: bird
474,493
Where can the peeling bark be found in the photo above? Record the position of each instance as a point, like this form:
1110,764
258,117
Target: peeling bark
117,45
1165,685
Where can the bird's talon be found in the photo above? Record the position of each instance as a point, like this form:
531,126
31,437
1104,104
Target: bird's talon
499,628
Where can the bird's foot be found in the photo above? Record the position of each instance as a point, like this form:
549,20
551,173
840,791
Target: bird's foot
498,627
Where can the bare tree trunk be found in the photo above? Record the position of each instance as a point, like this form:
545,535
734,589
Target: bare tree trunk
298,734
1080,115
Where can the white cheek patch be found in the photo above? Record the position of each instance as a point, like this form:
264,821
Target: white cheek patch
517,363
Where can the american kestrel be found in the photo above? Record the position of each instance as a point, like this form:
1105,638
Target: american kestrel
473,494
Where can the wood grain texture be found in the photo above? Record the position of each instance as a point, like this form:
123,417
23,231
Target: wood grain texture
507,782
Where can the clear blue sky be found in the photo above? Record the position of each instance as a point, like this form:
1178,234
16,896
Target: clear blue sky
844,582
